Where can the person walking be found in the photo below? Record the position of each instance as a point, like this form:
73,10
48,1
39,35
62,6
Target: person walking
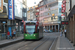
61,33
8,35
14,33
65,32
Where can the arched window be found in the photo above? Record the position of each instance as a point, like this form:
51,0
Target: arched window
4,9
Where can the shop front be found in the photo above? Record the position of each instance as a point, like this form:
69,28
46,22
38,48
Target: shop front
52,26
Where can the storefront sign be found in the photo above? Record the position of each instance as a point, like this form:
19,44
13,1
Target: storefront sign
64,22
1,6
63,6
63,17
11,14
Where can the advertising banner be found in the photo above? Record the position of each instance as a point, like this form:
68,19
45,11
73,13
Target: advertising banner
11,10
1,6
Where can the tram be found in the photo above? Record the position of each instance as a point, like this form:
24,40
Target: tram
33,30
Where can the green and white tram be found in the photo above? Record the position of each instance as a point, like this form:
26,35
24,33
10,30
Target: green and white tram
33,30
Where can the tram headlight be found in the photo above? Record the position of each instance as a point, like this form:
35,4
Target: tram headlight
34,35
25,35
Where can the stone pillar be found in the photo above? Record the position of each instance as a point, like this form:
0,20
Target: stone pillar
52,27
70,29
74,29
55,28
19,26
58,27
49,27
71,32
67,29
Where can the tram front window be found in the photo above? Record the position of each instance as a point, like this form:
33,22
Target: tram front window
30,29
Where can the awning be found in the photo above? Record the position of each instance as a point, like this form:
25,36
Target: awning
72,12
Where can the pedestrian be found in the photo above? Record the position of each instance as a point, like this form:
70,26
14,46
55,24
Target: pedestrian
65,32
8,35
14,33
60,32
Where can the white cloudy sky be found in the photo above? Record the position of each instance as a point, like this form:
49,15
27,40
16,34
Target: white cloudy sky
30,3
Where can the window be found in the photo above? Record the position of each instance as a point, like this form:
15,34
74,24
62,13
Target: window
51,18
60,10
30,29
46,6
4,9
25,14
54,4
70,4
41,9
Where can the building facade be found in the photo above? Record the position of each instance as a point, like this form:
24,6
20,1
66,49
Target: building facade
70,9
48,14
7,24
31,13
24,10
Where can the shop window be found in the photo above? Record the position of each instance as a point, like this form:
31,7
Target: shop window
17,27
6,1
51,18
4,9
59,18
46,6
60,10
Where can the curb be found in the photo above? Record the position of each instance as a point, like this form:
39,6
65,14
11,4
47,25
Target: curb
6,44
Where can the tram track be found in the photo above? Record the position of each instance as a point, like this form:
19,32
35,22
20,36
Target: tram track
31,46
48,48
18,45
15,46
40,44
52,44
24,45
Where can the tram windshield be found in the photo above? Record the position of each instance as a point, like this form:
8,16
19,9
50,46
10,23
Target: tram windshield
30,29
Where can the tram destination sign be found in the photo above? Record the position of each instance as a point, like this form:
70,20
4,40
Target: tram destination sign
30,23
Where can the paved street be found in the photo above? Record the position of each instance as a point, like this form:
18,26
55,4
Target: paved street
50,41
43,44
24,22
